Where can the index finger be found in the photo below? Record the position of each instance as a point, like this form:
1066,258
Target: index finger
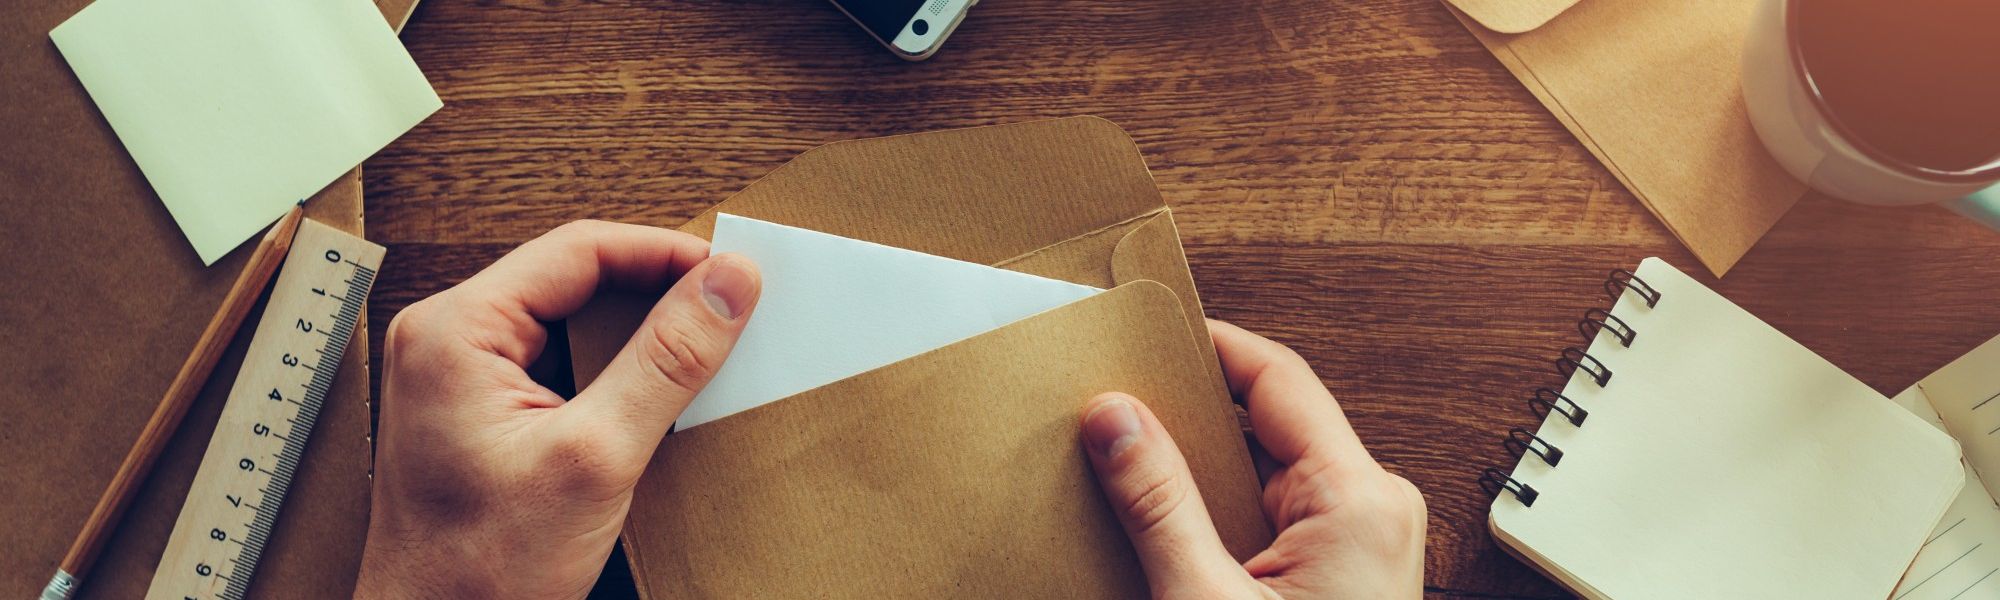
552,276
1291,412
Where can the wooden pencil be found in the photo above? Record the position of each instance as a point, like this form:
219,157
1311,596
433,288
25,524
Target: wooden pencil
174,405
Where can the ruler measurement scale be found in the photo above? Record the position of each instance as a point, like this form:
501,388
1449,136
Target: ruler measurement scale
260,439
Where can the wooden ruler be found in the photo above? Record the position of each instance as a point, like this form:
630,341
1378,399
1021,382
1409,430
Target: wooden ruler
261,437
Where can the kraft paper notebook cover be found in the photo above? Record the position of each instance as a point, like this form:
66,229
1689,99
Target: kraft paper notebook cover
1695,452
105,300
1069,199
1652,90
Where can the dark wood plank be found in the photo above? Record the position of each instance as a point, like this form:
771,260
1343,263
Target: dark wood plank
1360,180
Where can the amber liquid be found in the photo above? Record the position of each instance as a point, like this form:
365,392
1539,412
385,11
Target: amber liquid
1917,80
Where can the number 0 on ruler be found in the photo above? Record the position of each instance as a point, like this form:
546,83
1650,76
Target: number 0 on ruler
259,441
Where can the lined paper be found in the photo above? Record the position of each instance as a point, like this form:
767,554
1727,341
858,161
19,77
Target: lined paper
1964,394
1962,557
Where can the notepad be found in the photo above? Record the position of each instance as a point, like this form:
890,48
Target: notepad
835,307
1961,558
1695,452
237,109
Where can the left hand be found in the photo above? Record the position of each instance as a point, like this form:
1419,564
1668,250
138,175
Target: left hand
490,485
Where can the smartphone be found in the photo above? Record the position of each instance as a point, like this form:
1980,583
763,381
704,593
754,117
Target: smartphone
913,29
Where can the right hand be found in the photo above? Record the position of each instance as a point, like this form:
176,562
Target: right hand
488,485
1346,528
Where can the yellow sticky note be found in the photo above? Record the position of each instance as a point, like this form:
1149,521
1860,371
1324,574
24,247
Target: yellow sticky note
237,109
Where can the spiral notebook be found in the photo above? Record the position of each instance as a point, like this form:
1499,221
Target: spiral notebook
1695,452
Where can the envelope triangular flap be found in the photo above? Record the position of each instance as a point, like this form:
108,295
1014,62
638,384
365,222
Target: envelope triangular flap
999,191
1055,198
957,472
1652,91
1512,16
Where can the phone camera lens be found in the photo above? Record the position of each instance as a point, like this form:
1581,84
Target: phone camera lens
920,27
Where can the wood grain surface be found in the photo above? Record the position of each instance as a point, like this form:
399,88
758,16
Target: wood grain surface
1360,180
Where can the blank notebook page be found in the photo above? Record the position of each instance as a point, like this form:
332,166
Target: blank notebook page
1724,460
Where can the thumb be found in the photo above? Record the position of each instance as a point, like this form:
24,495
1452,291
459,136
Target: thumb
1149,486
675,352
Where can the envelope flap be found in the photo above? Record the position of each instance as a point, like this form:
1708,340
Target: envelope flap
999,194
981,195
1511,16
1152,252
1652,90
959,469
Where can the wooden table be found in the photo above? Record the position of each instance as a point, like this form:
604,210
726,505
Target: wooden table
1360,180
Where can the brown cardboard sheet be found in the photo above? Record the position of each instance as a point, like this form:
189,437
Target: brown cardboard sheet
1064,198
1652,90
104,300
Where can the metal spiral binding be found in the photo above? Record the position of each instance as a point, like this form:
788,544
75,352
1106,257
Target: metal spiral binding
1493,480
1521,441
1621,280
1597,319
1575,359
1547,401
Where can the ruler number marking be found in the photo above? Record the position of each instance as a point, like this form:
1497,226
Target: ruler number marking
288,418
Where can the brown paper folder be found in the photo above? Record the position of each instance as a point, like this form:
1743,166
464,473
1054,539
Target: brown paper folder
1067,198
1652,90
104,300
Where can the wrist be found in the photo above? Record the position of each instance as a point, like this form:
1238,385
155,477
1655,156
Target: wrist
395,566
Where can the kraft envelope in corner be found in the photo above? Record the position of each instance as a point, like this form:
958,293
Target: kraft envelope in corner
834,307
1651,88
960,466
237,109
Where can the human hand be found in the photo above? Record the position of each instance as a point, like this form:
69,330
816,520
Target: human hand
489,485
1346,528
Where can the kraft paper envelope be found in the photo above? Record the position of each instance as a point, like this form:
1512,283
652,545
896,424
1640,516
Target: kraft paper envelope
1652,90
104,302
957,473
820,494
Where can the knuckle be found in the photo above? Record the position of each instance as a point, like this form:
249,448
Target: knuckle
564,237
410,323
1414,506
678,352
417,332
580,228
1394,502
1413,498
1155,495
1288,356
